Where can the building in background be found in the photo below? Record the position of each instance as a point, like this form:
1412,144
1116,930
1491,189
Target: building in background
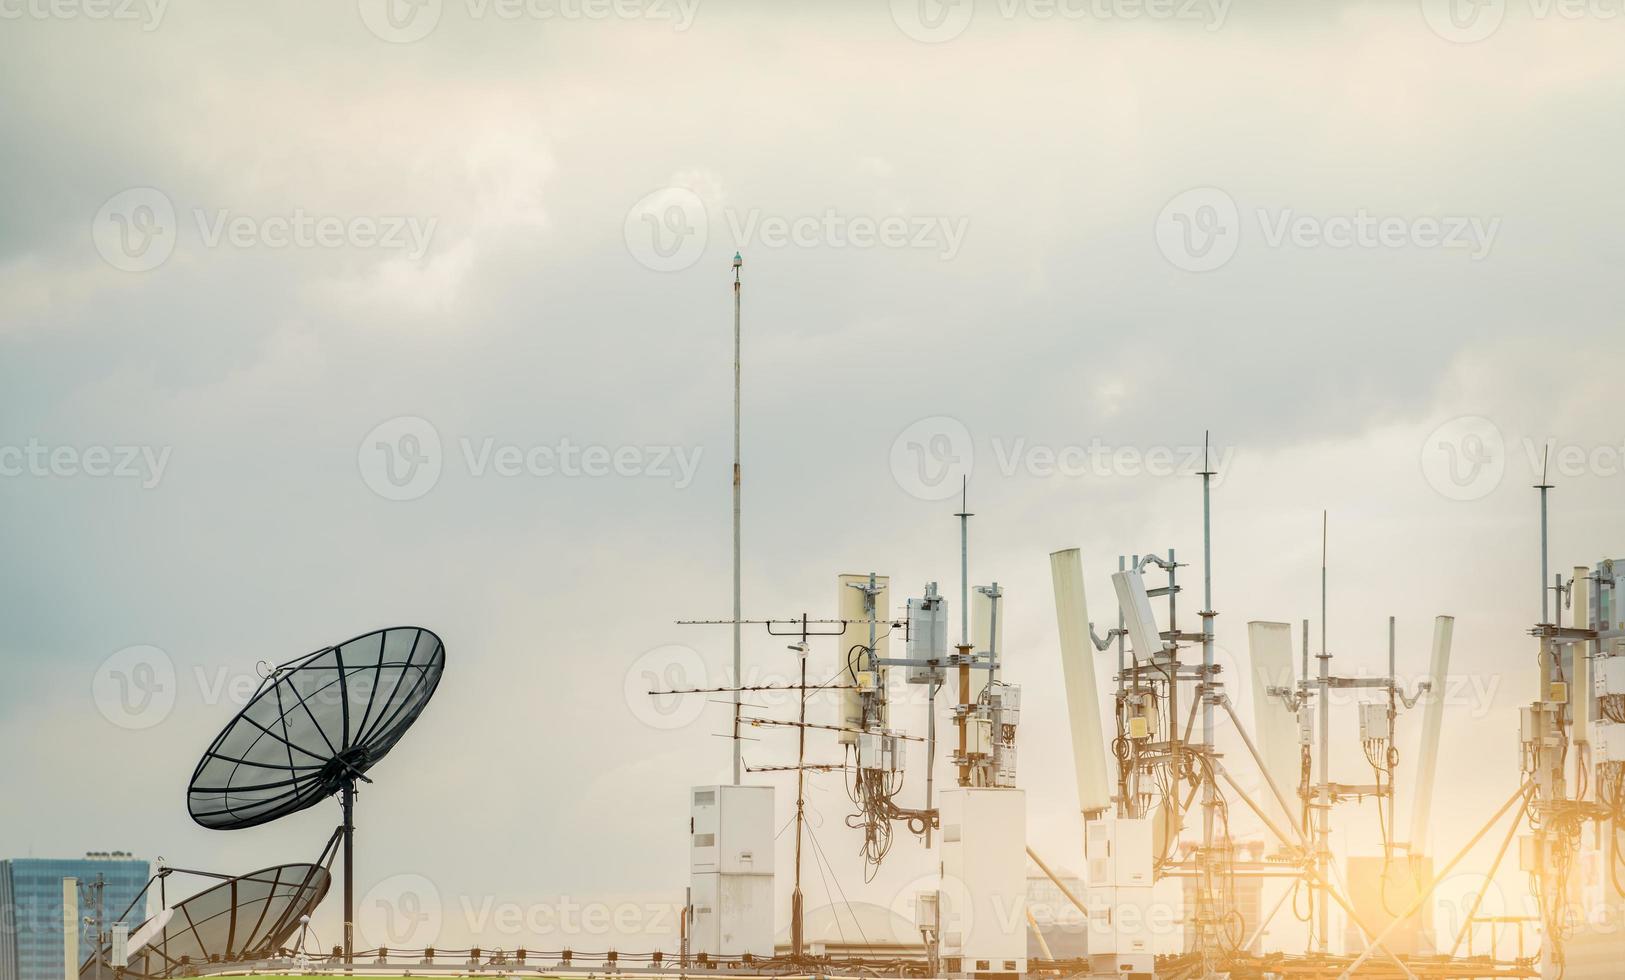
1062,924
1379,888
31,929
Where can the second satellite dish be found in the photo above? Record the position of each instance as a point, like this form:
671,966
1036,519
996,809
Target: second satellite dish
239,919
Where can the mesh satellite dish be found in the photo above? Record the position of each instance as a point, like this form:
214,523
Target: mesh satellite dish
314,726
243,918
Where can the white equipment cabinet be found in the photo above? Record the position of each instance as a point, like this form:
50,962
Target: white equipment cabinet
984,881
731,871
1120,896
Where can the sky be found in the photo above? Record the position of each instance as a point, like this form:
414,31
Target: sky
324,317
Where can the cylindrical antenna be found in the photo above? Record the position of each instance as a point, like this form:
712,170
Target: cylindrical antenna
738,614
1207,530
1305,673
1545,578
1323,583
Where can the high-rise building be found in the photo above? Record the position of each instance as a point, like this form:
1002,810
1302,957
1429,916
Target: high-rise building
31,912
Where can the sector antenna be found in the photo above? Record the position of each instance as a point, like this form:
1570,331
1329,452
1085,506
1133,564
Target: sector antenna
314,727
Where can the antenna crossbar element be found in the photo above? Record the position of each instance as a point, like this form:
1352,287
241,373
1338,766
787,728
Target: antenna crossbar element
789,622
757,687
776,723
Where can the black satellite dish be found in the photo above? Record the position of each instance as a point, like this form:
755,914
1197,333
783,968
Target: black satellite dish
242,918
314,726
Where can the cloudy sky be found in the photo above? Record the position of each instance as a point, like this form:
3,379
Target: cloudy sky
320,317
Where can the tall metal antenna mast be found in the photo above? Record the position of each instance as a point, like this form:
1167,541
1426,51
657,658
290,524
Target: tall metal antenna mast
964,516
738,672
1205,691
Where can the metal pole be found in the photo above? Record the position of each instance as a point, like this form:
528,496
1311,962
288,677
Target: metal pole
347,799
1043,946
930,742
1052,876
1543,486
738,673
962,713
796,925
1209,787
1393,721
1323,795
964,561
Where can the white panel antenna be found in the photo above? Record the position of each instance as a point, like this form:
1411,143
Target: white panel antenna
1078,672
1427,758
1275,726
1143,634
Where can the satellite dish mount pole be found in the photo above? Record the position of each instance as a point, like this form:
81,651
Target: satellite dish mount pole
347,799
